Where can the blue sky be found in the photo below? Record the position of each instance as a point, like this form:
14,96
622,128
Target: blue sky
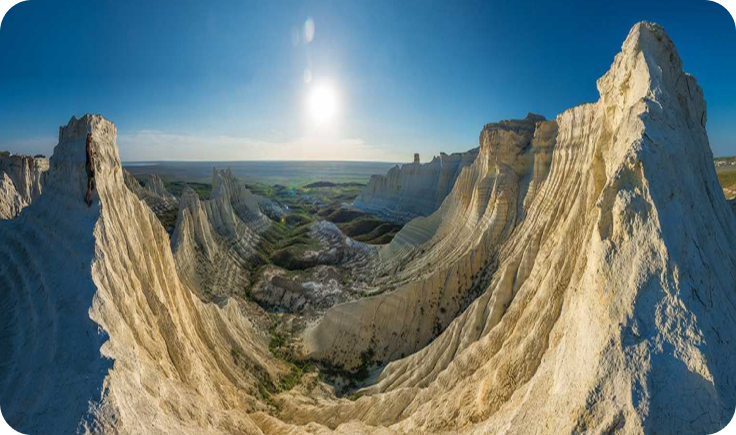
225,80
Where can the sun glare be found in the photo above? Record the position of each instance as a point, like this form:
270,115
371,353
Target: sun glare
323,104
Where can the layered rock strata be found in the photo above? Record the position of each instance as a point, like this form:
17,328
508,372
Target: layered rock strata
413,189
214,241
609,295
153,192
21,182
99,334
595,254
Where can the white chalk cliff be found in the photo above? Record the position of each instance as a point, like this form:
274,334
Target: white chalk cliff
214,240
581,274
413,189
436,265
153,192
21,182
99,334
608,286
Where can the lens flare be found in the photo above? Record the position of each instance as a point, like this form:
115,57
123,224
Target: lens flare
308,30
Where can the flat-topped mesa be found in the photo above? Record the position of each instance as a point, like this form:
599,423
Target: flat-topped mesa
21,182
413,189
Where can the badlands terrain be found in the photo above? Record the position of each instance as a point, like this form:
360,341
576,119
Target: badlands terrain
21,182
569,275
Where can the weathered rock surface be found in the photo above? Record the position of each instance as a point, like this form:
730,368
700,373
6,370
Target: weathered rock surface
590,260
436,265
214,240
413,189
99,334
610,287
152,191
21,182
306,291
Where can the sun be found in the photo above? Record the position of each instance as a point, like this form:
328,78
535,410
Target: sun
323,104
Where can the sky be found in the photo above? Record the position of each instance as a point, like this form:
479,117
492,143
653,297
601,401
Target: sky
328,80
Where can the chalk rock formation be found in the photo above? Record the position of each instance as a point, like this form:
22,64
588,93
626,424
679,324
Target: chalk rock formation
594,256
99,334
214,240
271,208
435,266
21,182
414,189
609,298
153,192
155,185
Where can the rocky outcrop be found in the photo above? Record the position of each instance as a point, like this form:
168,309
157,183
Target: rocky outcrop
155,185
153,192
435,266
214,241
414,189
594,256
21,182
604,283
99,334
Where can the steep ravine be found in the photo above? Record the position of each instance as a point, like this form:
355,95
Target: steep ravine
579,277
616,279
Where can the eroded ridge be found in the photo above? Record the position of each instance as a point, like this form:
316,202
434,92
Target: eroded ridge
99,334
214,240
614,278
21,182
578,278
414,189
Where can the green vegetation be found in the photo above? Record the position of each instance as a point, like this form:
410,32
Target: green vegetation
360,226
348,382
176,187
281,348
264,383
724,159
288,239
727,179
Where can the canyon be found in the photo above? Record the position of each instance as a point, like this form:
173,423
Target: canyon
570,275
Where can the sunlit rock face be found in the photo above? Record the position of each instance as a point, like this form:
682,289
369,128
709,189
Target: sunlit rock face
438,265
581,272
414,189
99,334
606,274
152,190
21,182
214,240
